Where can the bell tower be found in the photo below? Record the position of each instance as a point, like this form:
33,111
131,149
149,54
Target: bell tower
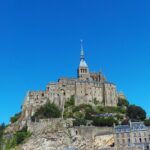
83,70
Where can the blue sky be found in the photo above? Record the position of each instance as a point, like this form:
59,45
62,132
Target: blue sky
40,42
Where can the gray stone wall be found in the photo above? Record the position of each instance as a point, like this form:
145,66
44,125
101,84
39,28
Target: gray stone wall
110,94
91,131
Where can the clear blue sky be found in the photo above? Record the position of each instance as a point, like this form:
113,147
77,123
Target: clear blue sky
40,41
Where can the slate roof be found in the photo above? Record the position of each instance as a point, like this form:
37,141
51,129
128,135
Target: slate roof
134,126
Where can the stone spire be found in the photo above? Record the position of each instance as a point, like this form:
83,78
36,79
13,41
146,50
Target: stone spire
82,58
82,51
83,70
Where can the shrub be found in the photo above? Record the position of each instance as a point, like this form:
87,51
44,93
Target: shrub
147,122
104,121
79,121
96,102
68,114
88,113
18,138
100,109
70,102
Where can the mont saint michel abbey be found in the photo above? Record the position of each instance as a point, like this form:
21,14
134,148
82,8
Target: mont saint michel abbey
86,88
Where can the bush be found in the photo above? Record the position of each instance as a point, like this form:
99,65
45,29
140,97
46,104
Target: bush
104,121
95,101
22,135
15,117
100,109
70,102
79,121
18,138
68,114
49,110
136,113
147,122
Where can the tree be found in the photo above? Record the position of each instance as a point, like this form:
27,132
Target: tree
49,110
123,102
136,113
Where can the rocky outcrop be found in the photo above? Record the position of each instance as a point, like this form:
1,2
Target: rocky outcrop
60,140
58,134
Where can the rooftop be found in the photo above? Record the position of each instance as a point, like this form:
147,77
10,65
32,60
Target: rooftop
138,126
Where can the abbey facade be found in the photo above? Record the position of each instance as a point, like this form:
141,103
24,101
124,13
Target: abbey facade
87,88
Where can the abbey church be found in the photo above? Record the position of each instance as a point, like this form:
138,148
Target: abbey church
87,88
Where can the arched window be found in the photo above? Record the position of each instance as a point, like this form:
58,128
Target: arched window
140,140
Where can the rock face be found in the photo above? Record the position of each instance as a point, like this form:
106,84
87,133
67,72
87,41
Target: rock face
59,134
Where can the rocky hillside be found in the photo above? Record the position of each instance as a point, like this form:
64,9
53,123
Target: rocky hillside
58,135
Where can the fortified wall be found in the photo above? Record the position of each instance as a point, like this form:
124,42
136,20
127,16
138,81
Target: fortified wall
60,124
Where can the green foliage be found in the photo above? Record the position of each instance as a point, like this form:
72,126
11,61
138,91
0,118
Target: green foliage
89,112
49,110
18,138
2,127
147,122
85,112
68,107
95,101
136,113
82,107
104,121
100,109
70,102
123,102
68,114
79,121
15,117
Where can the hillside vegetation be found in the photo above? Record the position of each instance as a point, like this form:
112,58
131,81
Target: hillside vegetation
84,114
99,115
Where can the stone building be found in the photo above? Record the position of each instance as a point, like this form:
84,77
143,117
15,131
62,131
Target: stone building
136,134
86,88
